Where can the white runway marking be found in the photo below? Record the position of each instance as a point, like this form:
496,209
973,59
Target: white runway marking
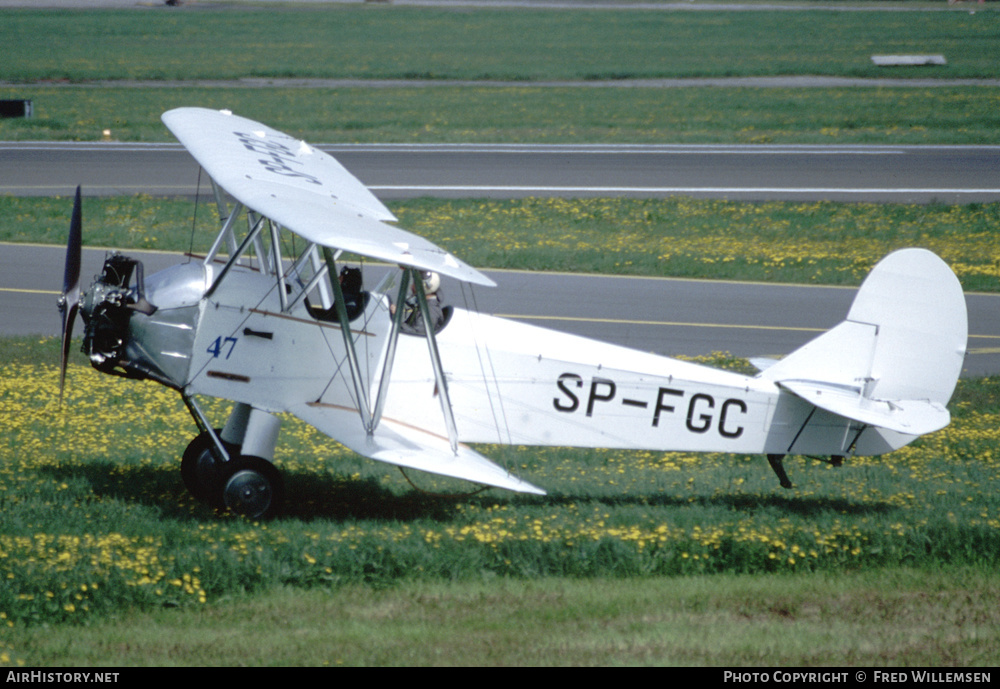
674,190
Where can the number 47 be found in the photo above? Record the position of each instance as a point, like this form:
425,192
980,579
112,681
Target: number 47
219,346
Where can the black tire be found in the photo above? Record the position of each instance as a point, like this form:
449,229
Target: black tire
253,488
200,469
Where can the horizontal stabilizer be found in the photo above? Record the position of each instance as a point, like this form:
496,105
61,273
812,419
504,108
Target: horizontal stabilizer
912,417
411,447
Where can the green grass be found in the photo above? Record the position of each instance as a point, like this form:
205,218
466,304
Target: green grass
815,243
523,46
889,617
957,115
369,42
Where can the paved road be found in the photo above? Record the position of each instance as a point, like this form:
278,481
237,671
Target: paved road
908,174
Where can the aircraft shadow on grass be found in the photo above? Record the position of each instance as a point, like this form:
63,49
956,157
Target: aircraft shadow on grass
336,498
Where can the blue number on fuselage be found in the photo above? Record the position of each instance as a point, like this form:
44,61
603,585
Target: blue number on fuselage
220,345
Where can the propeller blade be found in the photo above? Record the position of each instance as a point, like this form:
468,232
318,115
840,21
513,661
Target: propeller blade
69,302
69,315
71,276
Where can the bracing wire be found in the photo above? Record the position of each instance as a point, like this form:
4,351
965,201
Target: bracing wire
474,308
499,417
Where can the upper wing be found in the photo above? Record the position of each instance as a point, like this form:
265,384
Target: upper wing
304,190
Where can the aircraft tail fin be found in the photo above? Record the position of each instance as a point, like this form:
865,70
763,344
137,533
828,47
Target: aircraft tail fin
895,361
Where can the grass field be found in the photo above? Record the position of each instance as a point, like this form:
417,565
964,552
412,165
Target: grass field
937,115
886,618
525,47
813,243
386,42
98,527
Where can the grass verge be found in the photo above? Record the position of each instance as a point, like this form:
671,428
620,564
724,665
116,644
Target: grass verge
817,242
520,44
892,617
470,114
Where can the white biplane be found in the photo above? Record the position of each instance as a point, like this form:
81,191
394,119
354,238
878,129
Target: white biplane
279,333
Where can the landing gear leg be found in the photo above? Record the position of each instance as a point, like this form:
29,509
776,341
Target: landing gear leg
243,479
202,470
203,463
779,469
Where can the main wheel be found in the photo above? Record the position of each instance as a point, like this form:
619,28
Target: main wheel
201,470
253,488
